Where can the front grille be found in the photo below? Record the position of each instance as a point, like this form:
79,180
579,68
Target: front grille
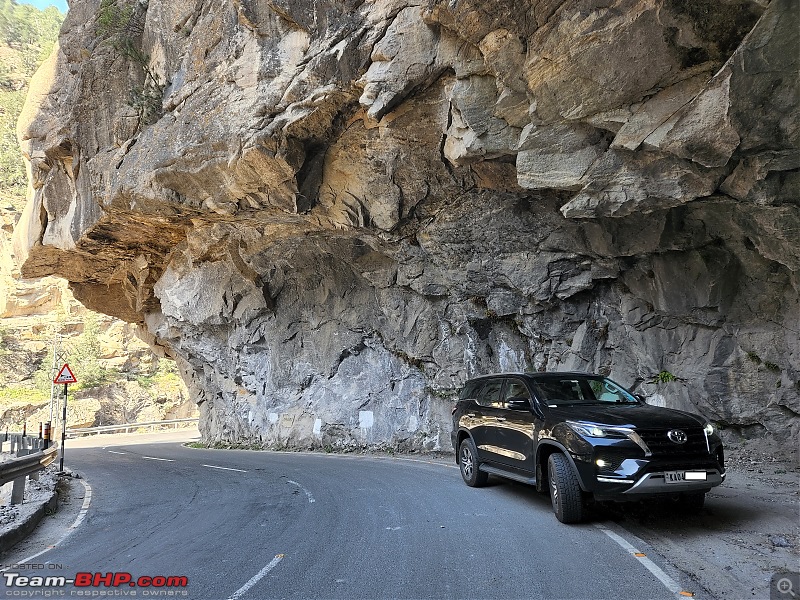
660,444
687,464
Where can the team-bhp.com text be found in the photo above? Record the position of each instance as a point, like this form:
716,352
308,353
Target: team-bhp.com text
92,584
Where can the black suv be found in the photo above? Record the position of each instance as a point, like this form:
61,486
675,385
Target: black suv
582,437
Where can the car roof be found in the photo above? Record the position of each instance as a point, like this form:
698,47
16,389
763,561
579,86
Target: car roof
538,374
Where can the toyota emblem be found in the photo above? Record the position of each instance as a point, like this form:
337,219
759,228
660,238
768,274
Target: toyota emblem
677,436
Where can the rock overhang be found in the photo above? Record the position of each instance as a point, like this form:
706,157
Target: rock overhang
342,208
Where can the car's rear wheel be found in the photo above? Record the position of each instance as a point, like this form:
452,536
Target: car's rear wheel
565,491
468,461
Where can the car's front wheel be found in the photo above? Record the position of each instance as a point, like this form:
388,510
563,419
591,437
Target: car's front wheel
565,491
468,461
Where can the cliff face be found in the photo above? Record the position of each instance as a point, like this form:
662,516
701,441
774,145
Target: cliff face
333,213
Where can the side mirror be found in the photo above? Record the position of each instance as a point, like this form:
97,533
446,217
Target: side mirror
518,403
640,398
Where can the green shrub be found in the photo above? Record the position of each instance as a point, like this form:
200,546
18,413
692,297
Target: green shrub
121,24
22,395
664,377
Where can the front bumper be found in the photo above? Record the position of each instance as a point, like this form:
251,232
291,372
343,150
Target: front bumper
654,483
625,478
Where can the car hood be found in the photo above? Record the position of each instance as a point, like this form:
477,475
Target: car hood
636,416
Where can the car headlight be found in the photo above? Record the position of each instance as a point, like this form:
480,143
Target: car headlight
594,430
709,429
587,430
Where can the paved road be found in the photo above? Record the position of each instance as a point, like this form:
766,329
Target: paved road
258,525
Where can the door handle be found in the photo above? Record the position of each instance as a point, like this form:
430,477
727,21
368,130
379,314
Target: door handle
470,414
500,418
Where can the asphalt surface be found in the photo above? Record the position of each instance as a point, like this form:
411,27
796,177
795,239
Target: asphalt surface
259,525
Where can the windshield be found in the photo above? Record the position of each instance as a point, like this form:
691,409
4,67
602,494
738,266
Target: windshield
573,390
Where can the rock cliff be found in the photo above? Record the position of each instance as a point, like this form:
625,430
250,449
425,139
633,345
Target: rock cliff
332,213
120,380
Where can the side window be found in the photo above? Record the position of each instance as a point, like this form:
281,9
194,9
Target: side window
516,389
607,391
554,392
490,394
470,390
571,391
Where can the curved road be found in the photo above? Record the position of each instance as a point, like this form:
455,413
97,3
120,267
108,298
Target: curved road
258,525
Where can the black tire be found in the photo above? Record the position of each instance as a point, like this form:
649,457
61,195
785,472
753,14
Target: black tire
468,461
692,503
565,491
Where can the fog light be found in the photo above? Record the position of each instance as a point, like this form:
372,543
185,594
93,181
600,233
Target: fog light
601,463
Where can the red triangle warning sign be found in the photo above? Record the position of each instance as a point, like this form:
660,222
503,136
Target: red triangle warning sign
65,375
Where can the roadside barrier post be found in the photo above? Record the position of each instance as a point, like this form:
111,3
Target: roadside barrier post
47,434
18,491
18,488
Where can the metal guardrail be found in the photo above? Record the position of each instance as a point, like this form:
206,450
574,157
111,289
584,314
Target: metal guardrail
32,457
23,466
76,431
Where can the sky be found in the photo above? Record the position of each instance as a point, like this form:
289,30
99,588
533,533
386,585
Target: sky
42,4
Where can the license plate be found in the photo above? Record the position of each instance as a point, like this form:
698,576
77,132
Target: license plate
681,476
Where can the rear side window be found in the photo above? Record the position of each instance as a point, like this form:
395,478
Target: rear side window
490,394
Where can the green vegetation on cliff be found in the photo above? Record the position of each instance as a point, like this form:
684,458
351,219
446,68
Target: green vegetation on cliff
27,36
119,379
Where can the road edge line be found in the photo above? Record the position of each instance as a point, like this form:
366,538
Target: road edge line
87,500
309,495
257,577
668,582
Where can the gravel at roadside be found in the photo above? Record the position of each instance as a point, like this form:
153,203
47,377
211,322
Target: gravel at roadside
748,531
40,499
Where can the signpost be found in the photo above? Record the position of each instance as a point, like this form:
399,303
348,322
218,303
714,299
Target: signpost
66,377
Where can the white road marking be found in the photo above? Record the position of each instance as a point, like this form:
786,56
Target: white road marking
87,500
428,462
257,577
224,468
155,458
668,581
115,452
308,494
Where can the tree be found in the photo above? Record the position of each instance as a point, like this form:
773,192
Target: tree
86,354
